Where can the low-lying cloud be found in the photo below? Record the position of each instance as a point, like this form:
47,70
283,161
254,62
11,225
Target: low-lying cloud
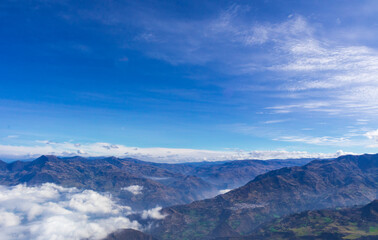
134,189
50,211
154,213
223,191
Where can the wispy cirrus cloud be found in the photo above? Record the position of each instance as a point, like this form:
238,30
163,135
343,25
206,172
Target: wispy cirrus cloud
319,106
275,121
357,135
325,140
12,136
198,41
343,76
354,137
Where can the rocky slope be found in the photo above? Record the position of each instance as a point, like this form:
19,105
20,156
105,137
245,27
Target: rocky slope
346,181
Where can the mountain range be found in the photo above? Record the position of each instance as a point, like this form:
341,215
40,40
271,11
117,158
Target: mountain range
345,181
158,184
275,199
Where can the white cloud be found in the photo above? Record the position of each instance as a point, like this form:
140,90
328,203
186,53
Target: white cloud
153,213
373,135
134,189
8,219
224,191
346,75
312,55
92,202
229,25
294,48
170,155
362,121
12,136
275,121
309,106
53,212
325,140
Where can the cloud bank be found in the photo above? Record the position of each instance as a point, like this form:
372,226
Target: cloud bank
169,155
50,212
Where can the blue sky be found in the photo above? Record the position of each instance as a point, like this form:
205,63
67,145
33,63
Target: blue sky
213,75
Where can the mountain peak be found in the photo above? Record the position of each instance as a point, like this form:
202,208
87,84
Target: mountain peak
46,158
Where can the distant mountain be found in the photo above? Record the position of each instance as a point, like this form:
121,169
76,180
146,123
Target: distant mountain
231,174
129,234
234,174
330,224
3,165
163,184
345,181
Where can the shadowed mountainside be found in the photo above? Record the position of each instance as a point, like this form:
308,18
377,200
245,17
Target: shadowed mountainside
129,234
345,181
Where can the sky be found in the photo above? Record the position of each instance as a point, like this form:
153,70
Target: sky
188,80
